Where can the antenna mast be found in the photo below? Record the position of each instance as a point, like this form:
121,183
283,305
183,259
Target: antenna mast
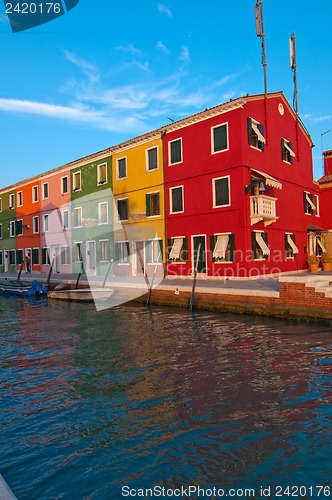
261,34
293,66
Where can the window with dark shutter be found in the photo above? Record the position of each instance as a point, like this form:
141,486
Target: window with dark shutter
221,192
122,168
123,209
175,151
177,199
152,159
35,256
220,142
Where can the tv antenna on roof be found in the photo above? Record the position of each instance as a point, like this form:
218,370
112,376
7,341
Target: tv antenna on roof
261,34
293,66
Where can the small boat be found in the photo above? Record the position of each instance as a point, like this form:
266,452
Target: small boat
16,287
82,294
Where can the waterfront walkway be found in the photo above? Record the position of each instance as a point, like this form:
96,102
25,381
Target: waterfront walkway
303,295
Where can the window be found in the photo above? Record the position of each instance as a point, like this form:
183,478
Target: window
121,168
287,151
222,247
12,229
0,231
151,159
19,198
34,194
46,224
309,205
152,204
46,256
103,212
35,256
317,213
102,174
175,151
176,200
64,185
178,249
320,247
221,194
153,250
65,219
219,138
19,227
11,201
19,257
290,247
122,252
12,257
260,249
256,134
78,217
45,190
78,251
123,209
0,204
65,255
103,250
77,181
35,223
1,258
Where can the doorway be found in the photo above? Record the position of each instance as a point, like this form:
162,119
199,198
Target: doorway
138,260
91,257
196,241
55,252
6,261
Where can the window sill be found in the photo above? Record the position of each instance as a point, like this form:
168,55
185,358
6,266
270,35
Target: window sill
257,149
221,151
177,163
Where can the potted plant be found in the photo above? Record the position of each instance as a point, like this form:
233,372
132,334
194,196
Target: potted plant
326,261
313,261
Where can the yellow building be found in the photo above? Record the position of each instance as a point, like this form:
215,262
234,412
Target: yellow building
139,210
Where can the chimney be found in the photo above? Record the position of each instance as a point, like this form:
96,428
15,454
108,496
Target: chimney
327,162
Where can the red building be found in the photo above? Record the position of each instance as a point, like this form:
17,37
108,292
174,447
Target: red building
239,183
27,229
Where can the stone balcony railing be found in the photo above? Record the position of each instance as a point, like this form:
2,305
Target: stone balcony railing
263,208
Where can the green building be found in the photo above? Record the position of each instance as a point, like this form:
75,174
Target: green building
92,216
7,230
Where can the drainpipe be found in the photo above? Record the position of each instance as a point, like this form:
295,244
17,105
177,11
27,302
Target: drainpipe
164,184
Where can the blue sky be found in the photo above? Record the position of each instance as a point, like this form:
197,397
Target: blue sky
108,71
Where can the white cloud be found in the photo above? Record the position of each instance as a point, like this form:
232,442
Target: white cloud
130,48
88,68
76,113
162,8
160,45
184,56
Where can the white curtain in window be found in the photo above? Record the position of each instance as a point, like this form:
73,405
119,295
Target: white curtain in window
220,248
255,128
176,248
265,249
292,244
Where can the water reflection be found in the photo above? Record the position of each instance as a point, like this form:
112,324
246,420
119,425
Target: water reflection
93,401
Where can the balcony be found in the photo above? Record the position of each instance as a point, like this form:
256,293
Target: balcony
263,208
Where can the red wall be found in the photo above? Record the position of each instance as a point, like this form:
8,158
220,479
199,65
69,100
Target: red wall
26,212
199,167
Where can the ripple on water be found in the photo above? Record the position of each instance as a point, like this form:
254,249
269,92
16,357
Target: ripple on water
92,401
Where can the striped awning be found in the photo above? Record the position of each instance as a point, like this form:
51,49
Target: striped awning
269,181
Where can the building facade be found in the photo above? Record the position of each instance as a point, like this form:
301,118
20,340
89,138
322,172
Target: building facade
232,185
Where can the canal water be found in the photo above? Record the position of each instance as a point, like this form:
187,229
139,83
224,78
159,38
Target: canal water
105,405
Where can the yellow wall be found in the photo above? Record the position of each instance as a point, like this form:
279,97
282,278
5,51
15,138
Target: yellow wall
137,184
